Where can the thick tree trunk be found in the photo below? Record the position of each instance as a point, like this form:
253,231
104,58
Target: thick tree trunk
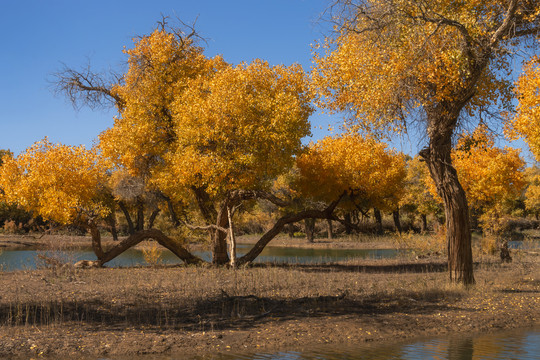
397,221
309,227
458,233
378,220
219,239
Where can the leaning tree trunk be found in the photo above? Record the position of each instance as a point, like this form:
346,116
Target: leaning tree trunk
458,234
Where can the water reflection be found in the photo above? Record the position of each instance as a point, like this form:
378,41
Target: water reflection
522,344
29,259
517,345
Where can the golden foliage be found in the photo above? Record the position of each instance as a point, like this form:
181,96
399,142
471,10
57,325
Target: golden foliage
361,166
419,188
390,59
527,120
239,129
492,177
58,182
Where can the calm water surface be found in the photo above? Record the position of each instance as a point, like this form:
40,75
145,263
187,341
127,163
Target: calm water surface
28,259
521,344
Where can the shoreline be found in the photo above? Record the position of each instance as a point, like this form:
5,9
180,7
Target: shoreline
200,310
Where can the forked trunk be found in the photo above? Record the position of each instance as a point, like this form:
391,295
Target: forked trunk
458,233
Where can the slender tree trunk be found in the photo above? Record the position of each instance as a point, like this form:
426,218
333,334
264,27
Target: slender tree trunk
378,220
309,226
348,228
123,207
397,221
458,233
232,240
330,229
140,214
152,218
111,221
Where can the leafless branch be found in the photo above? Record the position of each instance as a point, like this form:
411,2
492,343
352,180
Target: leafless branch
86,88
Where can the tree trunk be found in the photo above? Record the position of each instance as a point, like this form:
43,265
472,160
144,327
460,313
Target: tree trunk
330,229
423,223
278,226
173,245
219,239
123,207
397,222
140,214
309,226
232,240
378,220
458,233
153,218
348,220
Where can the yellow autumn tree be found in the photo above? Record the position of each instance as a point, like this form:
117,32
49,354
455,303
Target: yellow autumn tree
492,177
417,198
532,193
526,123
438,62
370,174
197,133
58,182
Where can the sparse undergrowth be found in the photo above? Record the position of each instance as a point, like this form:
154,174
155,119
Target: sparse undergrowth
123,311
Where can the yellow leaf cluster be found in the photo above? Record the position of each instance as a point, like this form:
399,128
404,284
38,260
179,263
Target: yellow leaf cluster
390,62
370,173
527,120
159,66
58,182
240,128
492,177
419,188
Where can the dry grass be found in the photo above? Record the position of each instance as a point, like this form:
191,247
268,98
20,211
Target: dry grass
202,297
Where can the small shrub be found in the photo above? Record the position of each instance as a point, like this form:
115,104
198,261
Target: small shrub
153,255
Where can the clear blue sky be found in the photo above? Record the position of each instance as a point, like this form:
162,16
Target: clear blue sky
40,35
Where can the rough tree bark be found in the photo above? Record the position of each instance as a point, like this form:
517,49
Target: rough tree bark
458,233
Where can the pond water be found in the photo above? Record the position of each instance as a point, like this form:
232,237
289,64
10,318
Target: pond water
520,344
29,259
